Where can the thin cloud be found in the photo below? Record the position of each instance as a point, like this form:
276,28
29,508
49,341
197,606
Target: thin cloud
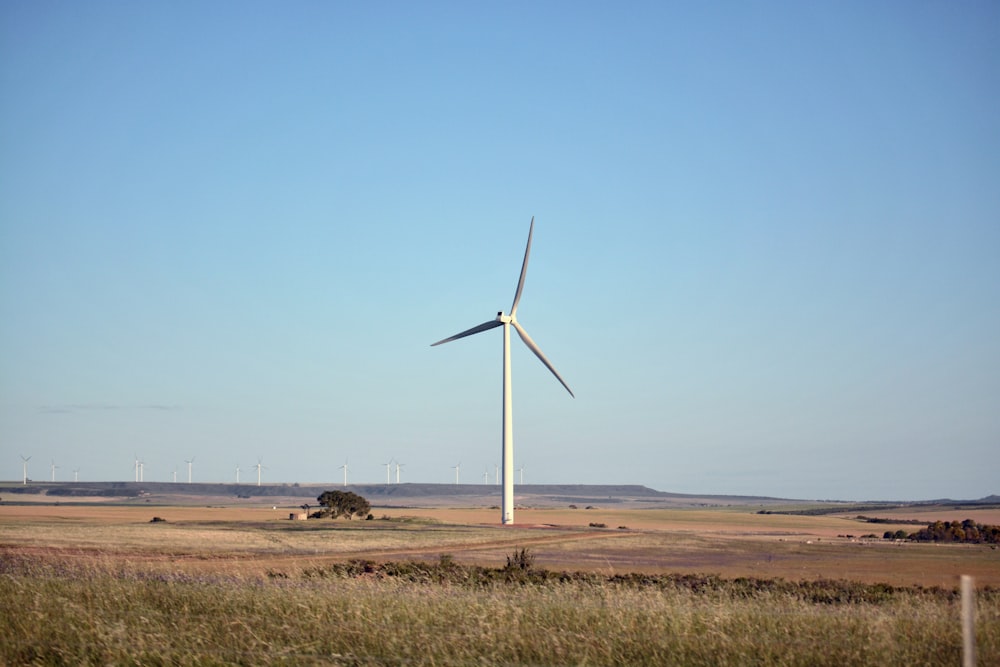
71,408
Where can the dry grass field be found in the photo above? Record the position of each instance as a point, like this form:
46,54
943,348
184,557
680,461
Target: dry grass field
731,542
99,583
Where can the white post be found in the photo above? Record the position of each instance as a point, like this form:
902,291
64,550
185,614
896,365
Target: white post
968,621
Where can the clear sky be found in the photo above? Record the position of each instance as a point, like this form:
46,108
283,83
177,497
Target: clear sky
766,254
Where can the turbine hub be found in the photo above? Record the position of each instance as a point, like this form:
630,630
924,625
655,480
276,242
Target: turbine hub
506,319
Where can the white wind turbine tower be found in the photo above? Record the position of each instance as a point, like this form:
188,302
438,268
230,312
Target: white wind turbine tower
54,466
259,466
237,473
135,464
387,472
344,468
486,476
76,474
398,466
456,467
24,464
507,432
189,462
142,465
521,470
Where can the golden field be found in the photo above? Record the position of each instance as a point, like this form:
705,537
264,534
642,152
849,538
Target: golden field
731,542
99,583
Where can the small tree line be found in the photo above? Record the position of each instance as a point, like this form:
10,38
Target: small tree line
967,531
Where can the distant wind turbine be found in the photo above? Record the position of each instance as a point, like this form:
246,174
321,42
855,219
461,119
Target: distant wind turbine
259,466
486,476
237,473
189,462
76,474
24,463
521,470
507,431
136,466
54,466
344,468
398,466
456,467
387,472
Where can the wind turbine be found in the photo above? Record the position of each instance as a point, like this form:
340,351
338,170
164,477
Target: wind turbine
189,462
344,468
76,474
54,466
456,467
237,473
259,466
24,463
135,464
142,465
486,476
398,466
507,431
521,470
387,467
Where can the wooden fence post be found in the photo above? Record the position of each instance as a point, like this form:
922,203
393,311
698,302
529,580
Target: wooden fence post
968,622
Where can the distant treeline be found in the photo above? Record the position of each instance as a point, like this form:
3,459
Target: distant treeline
967,531
833,509
872,519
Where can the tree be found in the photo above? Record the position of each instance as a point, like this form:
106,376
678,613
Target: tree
343,503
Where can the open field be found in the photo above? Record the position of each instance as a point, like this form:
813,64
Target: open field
239,583
730,542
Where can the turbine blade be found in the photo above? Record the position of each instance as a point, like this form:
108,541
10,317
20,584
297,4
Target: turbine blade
538,353
485,326
524,269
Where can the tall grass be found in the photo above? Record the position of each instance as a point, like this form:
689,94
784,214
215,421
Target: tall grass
445,614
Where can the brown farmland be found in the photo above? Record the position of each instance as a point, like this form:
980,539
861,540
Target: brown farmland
731,541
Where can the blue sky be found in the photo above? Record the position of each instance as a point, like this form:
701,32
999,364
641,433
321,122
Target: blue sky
766,254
